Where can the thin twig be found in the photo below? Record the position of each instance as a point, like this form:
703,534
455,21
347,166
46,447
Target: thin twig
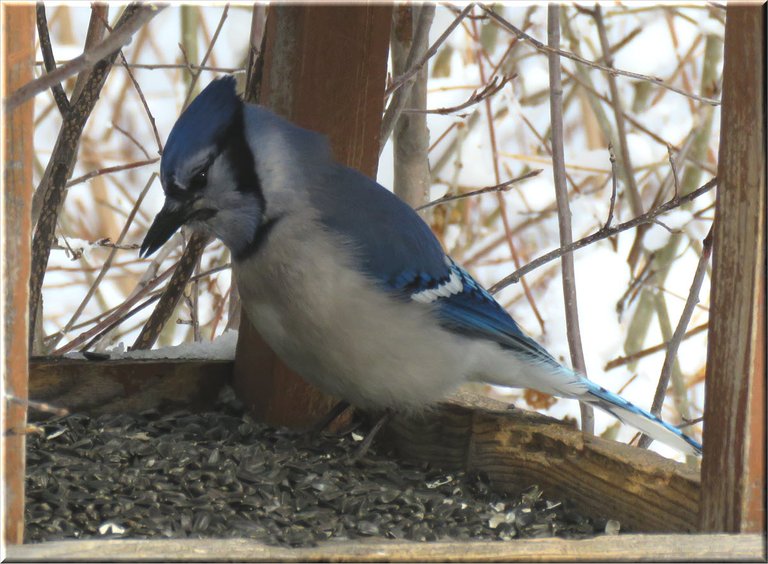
416,66
151,293
108,170
167,66
49,60
115,316
106,242
539,46
636,283
118,321
674,343
497,176
132,139
142,14
144,103
690,422
635,201
602,233
640,127
108,262
673,166
140,92
52,187
38,405
612,158
503,187
564,210
475,98
207,54
401,96
173,292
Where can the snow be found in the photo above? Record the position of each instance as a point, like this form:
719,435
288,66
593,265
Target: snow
221,348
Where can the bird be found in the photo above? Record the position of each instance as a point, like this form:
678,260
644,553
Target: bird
345,281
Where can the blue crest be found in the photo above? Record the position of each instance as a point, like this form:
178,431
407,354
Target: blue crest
202,124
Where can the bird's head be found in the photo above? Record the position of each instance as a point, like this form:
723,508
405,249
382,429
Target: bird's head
208,173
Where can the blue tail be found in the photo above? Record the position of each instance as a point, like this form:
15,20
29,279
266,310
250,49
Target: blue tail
639,418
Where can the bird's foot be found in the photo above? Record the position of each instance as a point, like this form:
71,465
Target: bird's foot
368,440
330,417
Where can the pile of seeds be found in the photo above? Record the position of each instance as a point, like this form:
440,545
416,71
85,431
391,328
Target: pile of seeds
220,474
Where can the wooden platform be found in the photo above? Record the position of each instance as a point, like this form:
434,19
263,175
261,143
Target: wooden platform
625,548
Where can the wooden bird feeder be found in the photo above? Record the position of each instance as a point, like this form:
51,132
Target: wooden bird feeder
325,68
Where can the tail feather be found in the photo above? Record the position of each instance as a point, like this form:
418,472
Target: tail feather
646,422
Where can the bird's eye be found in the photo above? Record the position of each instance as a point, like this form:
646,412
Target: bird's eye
199,180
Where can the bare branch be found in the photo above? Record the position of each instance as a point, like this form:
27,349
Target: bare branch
401,97
416,66
612,158
539,46
674,343
621,128
564,210
38,405
108,262
503,187
173,292
673,166
49,60
52,188
622,360
490,89
166,66
88,58
108,170
603,233
207,54
113,319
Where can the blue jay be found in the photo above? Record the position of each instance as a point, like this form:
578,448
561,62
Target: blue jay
344,280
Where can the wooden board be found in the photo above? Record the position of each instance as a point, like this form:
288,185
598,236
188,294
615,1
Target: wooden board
733,472
115,386
19,51
324,69
642,490
624,548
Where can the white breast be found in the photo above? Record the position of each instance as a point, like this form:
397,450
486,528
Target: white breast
329,323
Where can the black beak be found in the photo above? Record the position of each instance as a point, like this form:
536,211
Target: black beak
167,222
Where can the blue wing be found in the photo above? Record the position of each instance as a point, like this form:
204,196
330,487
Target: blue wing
398,249
393,244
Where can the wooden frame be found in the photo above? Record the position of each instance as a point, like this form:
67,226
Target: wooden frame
324,68
734,414
627,548
18,24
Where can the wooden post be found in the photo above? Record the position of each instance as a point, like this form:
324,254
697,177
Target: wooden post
733,470
324,69
19,43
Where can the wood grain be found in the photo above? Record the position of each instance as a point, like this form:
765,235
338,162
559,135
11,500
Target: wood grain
324,69
517,449
115,386
19,49
624,548
733,471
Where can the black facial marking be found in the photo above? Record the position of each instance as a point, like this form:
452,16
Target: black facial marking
259,238
234,145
